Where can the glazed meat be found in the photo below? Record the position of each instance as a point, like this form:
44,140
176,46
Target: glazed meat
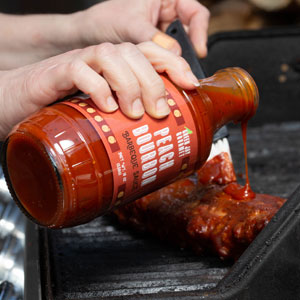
196,212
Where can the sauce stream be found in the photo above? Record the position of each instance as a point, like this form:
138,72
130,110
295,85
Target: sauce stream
235,190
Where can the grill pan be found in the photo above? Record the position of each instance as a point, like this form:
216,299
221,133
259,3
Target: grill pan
101,260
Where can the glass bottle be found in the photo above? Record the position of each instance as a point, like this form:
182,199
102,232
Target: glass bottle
70,162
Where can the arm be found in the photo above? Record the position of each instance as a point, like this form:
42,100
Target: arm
28,39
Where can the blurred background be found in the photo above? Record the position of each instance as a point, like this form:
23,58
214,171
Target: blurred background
225,14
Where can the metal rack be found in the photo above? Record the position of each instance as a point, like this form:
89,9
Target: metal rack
12,240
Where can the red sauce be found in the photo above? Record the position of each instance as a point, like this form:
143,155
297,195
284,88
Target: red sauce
84,171
218,170
74,161
234,189
202,216
43,189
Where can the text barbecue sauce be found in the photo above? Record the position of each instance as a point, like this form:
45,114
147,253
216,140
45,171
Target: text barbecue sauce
70,162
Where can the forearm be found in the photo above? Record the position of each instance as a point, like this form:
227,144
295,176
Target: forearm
28,39
31,38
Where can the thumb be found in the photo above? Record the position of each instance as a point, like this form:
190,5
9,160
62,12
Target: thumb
145,31
167,42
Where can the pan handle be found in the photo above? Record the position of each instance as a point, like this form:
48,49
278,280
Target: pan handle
176,31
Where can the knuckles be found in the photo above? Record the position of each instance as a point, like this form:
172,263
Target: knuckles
128,48
181,63
130,88
73,67
205,12
156,86
96,51
104,49
147,45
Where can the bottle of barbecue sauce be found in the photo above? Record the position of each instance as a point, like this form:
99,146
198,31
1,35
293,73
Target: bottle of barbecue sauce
71,162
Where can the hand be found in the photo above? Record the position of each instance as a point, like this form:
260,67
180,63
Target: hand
31,38
126,69
137,21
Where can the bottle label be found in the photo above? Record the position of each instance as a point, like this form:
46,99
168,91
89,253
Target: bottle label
148,153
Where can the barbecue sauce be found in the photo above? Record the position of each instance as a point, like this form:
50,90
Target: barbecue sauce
200,215
235,190
94,162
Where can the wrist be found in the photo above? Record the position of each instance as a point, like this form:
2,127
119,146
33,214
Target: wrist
59,34
16,103
5,106
50,35
35,37
96,25
74,30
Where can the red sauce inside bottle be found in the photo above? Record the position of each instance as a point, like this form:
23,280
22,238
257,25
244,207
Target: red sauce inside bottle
31,169
89,178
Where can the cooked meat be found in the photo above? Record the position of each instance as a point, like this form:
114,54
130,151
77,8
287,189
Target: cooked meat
196,213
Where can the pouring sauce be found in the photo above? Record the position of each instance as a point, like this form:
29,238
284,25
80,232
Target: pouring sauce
235,190
96,161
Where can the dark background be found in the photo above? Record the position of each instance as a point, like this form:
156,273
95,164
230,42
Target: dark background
40,6
226,15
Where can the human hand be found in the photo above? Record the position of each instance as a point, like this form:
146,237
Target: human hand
31,38
137,21
126,69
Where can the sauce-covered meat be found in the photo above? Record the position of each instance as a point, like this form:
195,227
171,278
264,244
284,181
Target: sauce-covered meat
199,214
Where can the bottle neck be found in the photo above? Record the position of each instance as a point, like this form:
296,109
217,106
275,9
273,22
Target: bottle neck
229,95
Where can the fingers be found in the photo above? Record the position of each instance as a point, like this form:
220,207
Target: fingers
166,42
107,60
175,66
198,32
89,81
152,86
193,15
196,16
127,70
142,30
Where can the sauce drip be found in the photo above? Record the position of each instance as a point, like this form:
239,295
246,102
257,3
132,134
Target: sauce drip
200,215
235,190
